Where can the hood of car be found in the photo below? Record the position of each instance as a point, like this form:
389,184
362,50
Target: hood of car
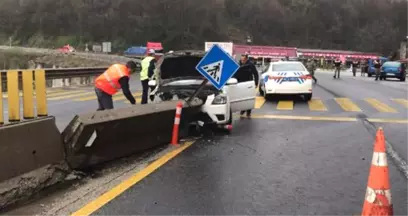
180,65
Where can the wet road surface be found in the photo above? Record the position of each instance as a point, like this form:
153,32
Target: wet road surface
272,165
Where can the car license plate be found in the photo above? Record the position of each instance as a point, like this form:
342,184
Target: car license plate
390,74
292,79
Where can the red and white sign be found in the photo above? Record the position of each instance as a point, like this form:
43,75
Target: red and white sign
265,51
226,46
154,45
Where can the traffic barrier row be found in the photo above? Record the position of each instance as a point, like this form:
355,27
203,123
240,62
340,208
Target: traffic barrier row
28,77
28,146
102,136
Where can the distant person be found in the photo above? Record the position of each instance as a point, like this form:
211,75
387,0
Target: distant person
114,78
364,67
337,68
311,67
148,66
250,70
377,66
355,65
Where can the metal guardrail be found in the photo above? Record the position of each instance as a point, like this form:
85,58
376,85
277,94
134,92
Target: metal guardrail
60,73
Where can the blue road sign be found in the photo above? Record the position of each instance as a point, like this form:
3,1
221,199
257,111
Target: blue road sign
217,66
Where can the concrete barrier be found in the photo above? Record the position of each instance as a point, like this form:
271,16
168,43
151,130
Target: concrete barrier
103,136
27,146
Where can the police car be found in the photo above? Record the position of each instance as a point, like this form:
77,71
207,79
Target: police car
286,78
177,79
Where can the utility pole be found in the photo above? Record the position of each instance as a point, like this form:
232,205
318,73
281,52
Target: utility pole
403,49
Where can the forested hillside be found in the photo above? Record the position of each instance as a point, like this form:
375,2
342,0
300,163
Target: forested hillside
365,25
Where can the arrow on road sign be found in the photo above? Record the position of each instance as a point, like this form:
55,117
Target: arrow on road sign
217,66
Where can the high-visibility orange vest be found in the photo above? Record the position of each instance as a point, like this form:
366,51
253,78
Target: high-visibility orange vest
109,80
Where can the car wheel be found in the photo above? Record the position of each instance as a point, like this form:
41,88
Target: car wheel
308,97
370,75
261,92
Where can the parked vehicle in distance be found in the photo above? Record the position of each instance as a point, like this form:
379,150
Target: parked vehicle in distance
371,69
393,69
286,78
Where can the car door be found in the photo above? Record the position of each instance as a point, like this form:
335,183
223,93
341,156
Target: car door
242,95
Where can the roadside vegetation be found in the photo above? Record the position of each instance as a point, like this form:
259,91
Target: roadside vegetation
363,25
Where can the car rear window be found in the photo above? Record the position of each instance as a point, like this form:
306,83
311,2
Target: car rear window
287,67
392,64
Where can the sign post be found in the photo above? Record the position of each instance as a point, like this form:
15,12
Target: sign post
217,67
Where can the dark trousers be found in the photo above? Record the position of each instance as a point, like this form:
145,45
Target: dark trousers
105,101
145,86
377,73
337,72
248,112
354,71
313,76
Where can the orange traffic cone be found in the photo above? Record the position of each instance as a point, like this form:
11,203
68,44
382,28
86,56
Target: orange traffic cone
378,195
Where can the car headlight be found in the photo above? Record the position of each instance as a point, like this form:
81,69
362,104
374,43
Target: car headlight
220,99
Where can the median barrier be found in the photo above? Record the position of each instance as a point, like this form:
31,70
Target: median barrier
97,137
30,145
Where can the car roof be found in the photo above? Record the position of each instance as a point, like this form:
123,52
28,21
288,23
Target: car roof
286,62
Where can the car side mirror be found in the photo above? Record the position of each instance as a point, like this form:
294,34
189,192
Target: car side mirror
232,81
152,83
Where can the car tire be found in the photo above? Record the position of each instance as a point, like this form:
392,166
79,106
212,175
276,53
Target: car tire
308,97
370,75
261,92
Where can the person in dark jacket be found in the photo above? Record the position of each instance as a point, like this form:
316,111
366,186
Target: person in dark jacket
337,65
355,65
247,69
377,66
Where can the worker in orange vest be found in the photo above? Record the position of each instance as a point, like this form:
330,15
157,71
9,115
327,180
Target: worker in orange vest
115,78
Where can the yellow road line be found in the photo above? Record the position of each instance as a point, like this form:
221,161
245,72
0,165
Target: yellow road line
316,105
380,106
122,187
285,105
397,121
123,97
64,93
403,102
71,96
5,95
310,118
259,102
347,105
327,118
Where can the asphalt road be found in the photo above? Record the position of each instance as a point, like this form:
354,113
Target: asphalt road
285,160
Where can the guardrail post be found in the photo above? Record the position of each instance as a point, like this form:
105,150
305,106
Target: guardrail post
40,91
28,96
13,96
1,102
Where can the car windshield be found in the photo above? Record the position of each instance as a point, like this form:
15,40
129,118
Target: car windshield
392,64
288,67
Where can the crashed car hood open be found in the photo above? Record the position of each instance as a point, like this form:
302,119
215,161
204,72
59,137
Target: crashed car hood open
180,65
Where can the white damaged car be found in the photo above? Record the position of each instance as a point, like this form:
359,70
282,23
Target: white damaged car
177,78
